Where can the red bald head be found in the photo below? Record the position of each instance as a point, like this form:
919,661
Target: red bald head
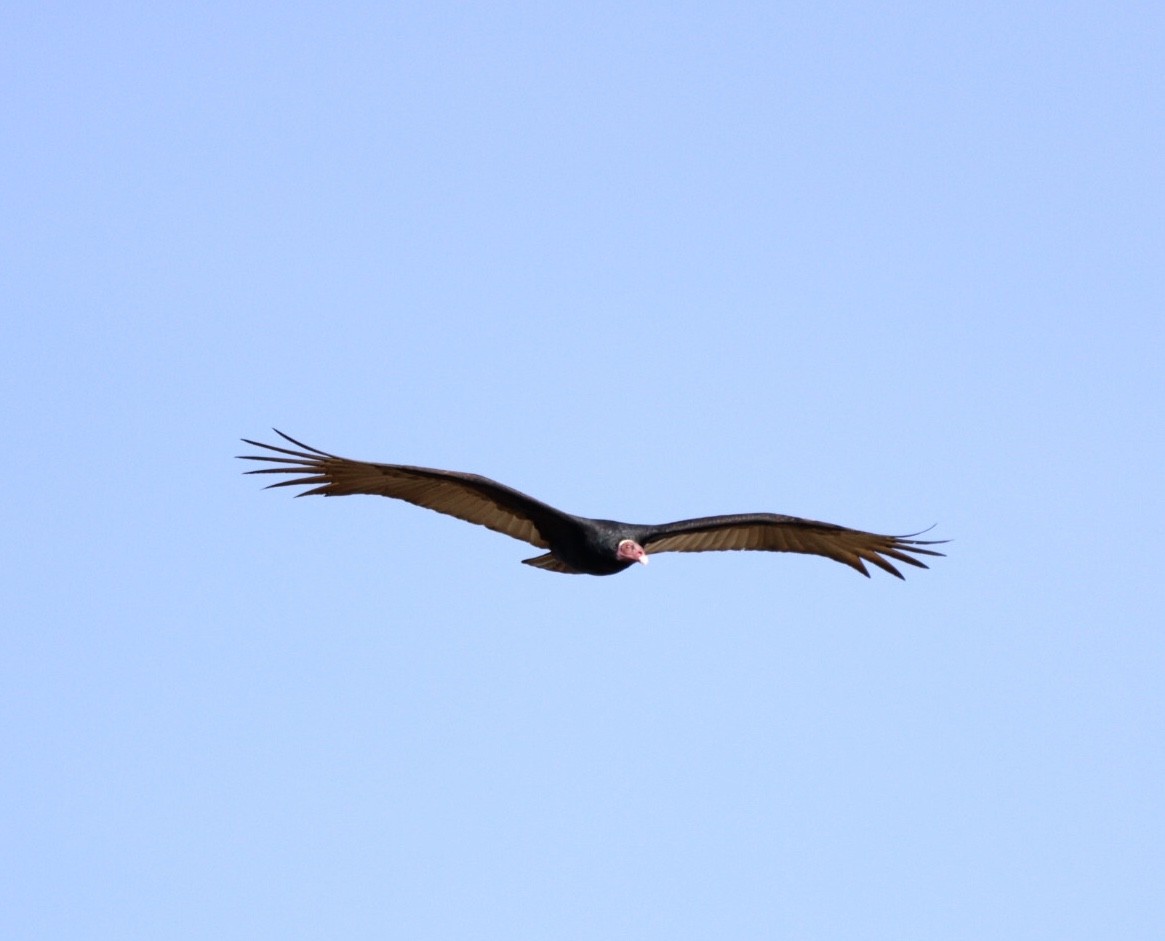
630,551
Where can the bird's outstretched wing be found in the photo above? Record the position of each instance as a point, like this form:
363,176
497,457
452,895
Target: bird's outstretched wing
467,497
772,532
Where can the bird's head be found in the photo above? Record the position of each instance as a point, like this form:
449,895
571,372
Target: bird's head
630,551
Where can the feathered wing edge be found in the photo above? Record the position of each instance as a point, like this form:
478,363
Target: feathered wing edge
770,532
467,497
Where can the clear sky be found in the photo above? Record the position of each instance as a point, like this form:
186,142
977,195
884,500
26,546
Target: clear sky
886,265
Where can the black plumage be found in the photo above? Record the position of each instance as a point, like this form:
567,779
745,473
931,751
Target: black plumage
576,544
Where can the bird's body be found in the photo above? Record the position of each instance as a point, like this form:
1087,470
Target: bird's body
577,544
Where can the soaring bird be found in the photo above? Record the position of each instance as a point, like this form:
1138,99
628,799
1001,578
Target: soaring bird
577,544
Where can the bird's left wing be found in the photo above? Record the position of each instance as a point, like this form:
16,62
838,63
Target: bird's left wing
773,532
467,497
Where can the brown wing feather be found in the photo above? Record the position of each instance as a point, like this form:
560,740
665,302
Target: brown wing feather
775,533
467,497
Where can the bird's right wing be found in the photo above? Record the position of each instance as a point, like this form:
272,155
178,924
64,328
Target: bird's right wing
467,497
773,532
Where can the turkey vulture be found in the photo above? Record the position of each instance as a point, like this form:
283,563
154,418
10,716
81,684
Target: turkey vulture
576,544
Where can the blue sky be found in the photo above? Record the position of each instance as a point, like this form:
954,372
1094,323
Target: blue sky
882,265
